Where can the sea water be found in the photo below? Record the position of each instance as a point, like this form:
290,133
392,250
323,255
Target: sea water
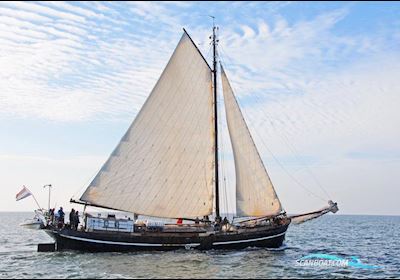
373,240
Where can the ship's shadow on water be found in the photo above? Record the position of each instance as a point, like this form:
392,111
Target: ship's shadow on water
376,245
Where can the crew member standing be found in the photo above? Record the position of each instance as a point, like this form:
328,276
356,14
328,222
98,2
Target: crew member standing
72,217
76,225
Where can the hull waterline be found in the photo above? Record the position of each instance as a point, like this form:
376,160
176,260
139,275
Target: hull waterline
67,239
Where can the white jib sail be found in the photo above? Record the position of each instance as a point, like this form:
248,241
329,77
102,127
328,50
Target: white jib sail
163,166
255,194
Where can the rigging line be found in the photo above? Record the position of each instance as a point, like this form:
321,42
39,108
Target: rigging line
296,154
283,168
275,158
292,149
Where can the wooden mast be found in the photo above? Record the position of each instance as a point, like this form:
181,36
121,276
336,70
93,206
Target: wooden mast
215,41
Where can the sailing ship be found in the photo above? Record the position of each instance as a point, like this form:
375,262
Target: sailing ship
166,166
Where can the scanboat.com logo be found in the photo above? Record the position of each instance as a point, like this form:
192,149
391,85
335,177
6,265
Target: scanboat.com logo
326,260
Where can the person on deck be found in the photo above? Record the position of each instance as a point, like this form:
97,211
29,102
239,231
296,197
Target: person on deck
76,225
51,217
61,216
72,218
217,224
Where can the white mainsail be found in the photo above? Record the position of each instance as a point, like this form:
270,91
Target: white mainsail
255,194
164,165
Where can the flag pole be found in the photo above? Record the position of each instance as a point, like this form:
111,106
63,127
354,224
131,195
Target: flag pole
50,186
37,203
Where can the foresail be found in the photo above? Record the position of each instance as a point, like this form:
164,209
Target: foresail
163,166
255,194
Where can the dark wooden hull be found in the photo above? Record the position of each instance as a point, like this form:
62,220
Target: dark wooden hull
267,237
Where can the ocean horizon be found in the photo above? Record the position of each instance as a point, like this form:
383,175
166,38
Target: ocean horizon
337,214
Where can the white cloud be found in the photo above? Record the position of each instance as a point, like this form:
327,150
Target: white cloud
54,72
29,16
328,94
75,9
162,13
43,10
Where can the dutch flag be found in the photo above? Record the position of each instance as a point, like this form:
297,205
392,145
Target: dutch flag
24,193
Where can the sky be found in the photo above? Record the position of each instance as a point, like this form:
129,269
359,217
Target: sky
318,84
